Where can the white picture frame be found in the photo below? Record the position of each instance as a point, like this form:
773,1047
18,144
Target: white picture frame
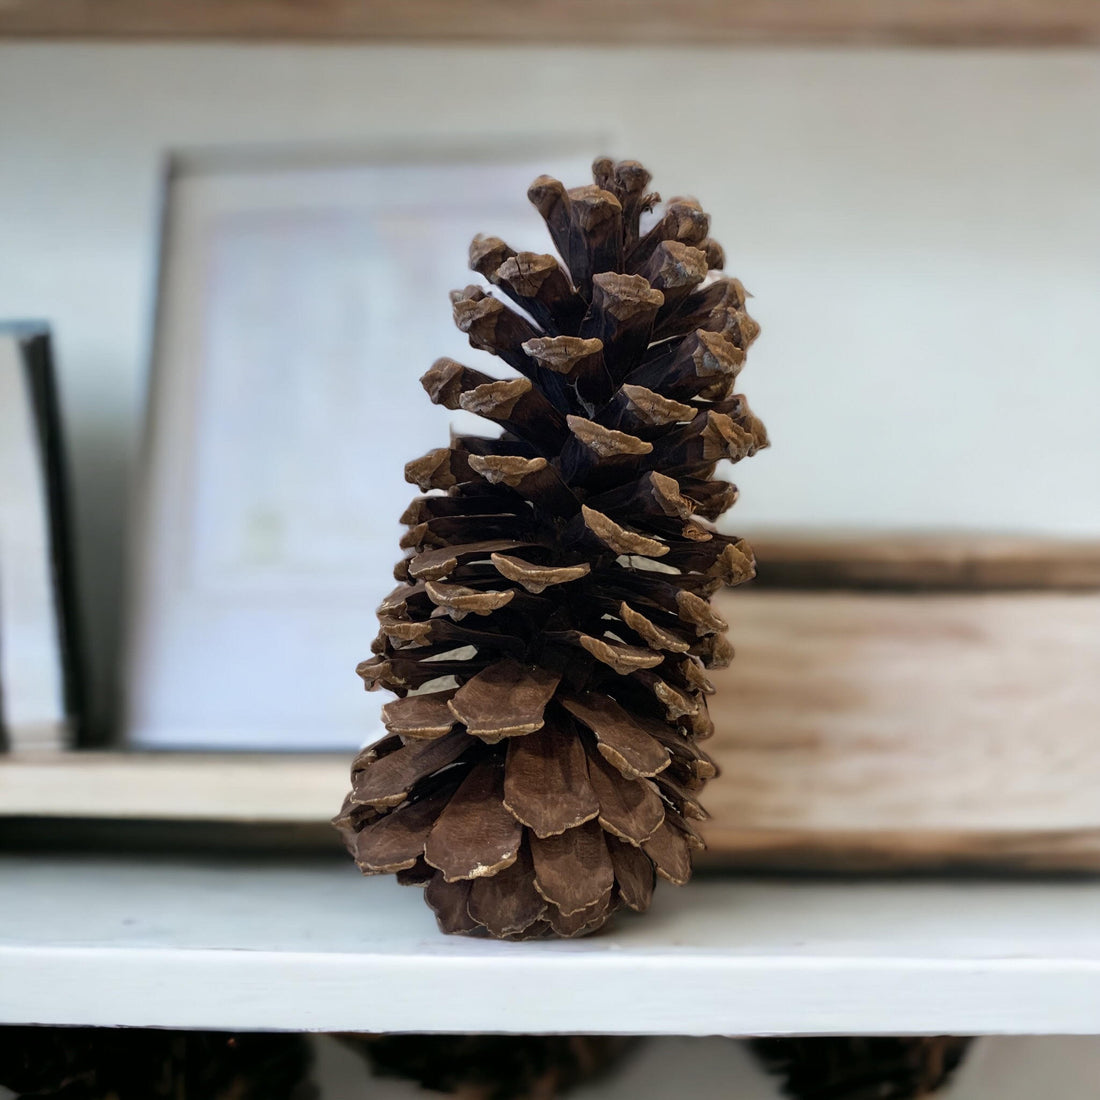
299,302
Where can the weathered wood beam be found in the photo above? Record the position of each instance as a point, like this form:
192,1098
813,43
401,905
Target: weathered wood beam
595,22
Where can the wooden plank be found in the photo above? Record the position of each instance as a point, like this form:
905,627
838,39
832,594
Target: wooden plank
948,561
969,723
855,730
258,944
238,788
587,22
893,851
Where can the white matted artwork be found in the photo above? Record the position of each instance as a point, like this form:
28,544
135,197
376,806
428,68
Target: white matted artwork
299,306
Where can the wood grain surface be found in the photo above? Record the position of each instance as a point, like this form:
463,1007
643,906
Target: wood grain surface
951,22
902,722
925,561
885,729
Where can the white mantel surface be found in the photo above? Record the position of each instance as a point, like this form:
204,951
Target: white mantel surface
257,944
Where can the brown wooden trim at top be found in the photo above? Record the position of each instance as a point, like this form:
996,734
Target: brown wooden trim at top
950,562
595,22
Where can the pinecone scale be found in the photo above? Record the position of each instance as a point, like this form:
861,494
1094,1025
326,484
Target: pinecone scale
550,633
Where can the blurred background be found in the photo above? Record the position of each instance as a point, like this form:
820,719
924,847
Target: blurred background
920,228
240,225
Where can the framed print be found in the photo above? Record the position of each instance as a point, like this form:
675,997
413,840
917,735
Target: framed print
299,304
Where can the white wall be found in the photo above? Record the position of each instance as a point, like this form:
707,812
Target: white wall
921,230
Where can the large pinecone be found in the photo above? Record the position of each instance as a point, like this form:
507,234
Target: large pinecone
549,638
493,1067
76,1063
861,1068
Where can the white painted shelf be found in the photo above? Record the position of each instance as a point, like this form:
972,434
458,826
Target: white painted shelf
312,946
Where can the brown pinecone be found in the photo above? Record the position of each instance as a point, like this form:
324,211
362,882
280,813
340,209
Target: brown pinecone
549,638
493,1067
857,1068
77,1063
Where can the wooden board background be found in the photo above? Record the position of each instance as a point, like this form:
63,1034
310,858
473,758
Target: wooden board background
898,718
595,22
925,562
878,729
